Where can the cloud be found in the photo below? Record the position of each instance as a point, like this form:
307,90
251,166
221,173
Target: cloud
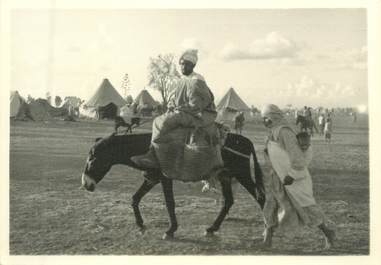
294,61
346,59
311,92
273,46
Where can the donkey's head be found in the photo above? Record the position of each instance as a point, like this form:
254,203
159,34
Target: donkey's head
98,163
300,119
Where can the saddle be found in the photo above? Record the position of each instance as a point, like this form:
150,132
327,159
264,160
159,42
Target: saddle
193,154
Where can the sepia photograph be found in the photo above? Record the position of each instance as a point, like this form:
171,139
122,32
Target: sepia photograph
188,131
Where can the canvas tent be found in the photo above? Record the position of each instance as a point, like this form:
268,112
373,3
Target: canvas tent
16,102
229,105
19,109
144,103
106,101
40,109
36,110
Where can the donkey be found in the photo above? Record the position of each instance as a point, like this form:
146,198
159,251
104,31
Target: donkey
306,124
119,122
240,162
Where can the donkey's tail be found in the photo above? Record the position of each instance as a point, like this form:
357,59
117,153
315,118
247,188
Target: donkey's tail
257,175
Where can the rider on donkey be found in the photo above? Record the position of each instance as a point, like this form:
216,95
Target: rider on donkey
192,106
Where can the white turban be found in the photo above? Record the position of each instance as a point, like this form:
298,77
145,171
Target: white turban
272,112
190,55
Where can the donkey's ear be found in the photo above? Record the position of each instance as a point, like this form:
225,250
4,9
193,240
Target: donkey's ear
98,139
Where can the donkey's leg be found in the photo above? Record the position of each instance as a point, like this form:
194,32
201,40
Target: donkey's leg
136,198
167,185
246,181
228,202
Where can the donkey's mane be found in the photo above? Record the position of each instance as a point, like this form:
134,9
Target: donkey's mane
115,139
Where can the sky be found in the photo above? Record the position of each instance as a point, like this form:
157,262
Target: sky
314,57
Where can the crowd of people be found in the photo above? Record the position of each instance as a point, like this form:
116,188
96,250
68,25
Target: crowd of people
288,184
321,121
321,117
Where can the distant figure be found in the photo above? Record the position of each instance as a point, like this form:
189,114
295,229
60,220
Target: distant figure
354,116
307,112
239,121
328,129
71,114
296,113
306,124
312,117
119,122
321,121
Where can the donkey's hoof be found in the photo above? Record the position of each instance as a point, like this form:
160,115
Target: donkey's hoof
142,229
168,236
209,233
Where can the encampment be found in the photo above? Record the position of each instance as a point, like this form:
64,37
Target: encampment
106,101
229,105
36,110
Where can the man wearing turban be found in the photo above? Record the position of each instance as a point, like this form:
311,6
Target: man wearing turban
191,107
289,195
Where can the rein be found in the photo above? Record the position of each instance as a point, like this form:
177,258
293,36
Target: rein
236,152
252,163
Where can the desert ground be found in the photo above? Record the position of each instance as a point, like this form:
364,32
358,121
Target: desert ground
49,215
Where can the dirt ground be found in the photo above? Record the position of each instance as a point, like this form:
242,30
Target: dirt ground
49,215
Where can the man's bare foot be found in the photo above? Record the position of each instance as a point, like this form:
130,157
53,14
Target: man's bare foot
267,238
330,238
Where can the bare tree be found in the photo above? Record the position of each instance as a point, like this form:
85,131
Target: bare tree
163,76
